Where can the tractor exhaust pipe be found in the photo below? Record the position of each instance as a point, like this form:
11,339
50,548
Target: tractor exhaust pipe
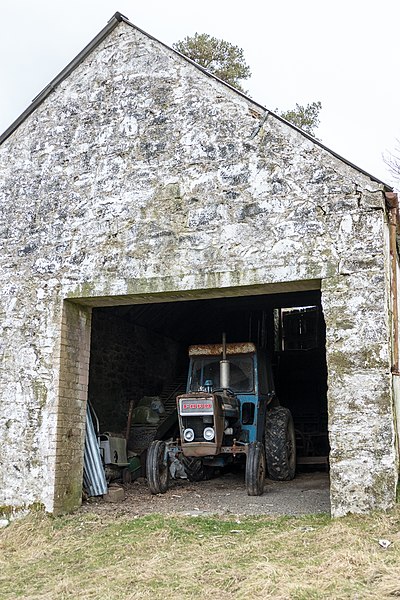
224,366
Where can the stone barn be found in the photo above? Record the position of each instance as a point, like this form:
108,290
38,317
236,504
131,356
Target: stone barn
146,206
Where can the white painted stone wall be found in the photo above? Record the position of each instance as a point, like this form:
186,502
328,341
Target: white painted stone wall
140,174
396,378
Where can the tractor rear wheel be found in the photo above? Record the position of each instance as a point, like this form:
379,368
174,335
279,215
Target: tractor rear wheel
280,444
157,470
255,469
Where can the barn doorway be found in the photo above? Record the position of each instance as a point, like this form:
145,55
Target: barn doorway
116,349
139,354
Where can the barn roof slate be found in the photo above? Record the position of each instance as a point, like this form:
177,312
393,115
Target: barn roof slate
111,25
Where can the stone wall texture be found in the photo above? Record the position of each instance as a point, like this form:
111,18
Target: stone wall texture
126,364
140,176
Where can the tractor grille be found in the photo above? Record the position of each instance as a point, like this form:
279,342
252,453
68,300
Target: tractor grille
197,424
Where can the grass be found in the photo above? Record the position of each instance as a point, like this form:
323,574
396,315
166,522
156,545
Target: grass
89,557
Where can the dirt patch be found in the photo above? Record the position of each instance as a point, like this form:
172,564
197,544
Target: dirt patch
306,494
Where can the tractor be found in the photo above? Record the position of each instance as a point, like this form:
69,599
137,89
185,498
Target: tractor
229,413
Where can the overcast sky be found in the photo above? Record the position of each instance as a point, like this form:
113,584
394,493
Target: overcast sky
344,53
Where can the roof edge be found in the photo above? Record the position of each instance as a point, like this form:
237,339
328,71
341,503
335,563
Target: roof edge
112,24
266,110
388,188
71,66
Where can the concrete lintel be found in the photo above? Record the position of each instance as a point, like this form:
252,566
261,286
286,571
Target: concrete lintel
174,294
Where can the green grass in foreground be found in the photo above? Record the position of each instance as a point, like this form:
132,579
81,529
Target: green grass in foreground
89,556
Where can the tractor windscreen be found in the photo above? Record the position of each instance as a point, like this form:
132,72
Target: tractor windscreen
205,374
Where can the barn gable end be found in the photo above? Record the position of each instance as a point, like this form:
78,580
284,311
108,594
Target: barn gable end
140,179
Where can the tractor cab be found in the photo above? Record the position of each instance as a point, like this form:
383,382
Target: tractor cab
250,381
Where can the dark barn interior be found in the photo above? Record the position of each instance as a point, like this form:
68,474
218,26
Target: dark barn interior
140,351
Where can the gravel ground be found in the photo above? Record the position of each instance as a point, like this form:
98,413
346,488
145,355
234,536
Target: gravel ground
307,493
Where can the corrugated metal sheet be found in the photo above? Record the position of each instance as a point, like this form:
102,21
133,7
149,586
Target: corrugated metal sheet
94,479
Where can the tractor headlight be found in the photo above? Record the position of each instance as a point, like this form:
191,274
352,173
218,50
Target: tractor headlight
209,434
188,435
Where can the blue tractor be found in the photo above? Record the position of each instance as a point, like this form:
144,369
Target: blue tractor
229,413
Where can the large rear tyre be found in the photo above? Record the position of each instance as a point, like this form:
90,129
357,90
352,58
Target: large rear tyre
280,444
255,469
157,471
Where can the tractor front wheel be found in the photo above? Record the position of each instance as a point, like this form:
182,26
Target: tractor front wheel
255,469
157,470
280,444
